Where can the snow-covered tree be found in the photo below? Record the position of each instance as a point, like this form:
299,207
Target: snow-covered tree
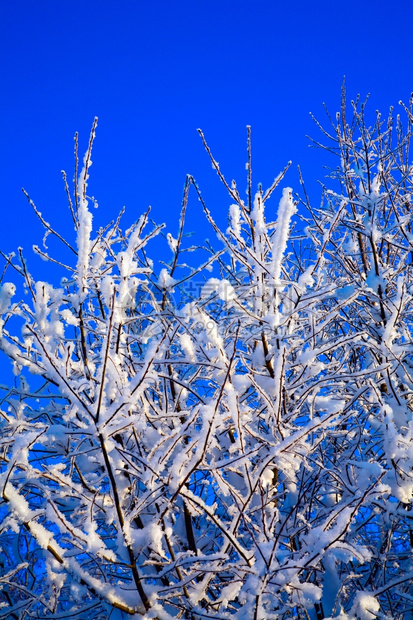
227,439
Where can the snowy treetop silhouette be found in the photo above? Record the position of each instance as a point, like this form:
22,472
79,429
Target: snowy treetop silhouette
227,439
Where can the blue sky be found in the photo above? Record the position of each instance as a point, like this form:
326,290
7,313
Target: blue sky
153,72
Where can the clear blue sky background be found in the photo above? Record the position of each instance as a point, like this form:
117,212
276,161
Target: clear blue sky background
154,71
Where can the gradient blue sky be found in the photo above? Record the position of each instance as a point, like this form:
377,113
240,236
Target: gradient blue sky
155,71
